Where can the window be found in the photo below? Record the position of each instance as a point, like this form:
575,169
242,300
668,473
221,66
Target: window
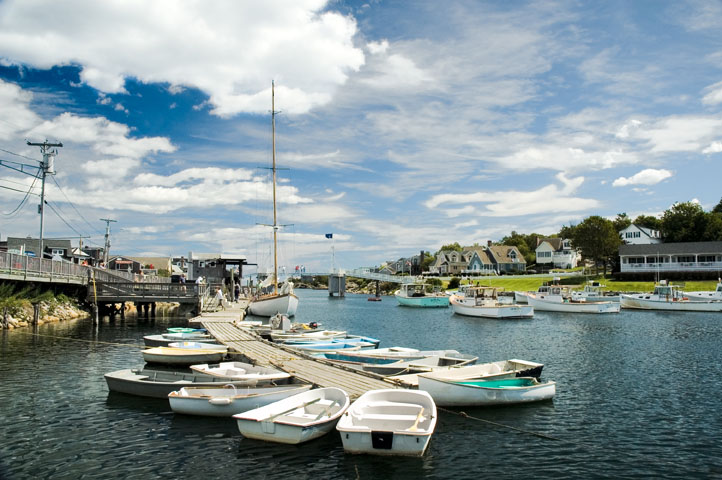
58,251
684,259
706,258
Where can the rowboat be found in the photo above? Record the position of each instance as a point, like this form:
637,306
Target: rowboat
389,422
254,374
415,295
187,330
330,347
484,302
199,345
148,382
668,297
426,364
182,356
556,303
228,400
483,392
367,342
280,336
492,370
182,336
296,419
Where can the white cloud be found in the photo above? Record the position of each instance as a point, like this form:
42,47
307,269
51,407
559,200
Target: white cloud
714,147
648,176
15,113
550,199
688,133
713,94
228,49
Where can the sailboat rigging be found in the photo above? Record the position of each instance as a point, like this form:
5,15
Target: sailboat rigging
282,301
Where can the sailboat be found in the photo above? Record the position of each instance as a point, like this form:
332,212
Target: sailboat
281,300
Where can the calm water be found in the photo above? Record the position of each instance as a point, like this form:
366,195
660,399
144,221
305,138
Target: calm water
638,395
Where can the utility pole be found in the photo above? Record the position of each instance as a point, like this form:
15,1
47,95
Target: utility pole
107,239
48,168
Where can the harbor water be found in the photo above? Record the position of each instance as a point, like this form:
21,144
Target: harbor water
638,396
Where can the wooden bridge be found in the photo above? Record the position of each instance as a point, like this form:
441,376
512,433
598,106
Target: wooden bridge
322,373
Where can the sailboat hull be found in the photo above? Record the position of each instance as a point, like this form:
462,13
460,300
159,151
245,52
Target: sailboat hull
269,305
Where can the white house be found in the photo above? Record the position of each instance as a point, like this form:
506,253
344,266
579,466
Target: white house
683,257
556,252
636,235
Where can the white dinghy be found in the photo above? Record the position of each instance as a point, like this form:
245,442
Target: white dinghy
242,371
296,419
228,400
199,345
389,422
491,370
504,391
182,356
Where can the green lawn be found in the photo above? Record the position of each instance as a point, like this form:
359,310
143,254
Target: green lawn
531,284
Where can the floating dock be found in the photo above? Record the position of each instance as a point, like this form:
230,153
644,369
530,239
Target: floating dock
240,340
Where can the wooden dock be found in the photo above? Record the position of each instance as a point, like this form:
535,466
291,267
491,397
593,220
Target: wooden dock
222,325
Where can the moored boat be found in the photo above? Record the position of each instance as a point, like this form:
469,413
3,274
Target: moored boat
484,302
415,295
593,291
426,364
389,422
199,346
296,419
556,303
706,296
242,371
499,369
484,392
148,382
283,336
228,400
182,356
668,297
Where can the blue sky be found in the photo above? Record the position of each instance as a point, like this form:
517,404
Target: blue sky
404,125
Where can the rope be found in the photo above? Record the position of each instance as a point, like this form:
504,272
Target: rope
81,340
529,432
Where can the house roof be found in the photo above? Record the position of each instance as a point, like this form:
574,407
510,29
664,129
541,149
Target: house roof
33,244
556,243
680,248
501,253
481,252
647,231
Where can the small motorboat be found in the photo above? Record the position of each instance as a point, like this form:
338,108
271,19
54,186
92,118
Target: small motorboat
415,295
389,422
483,392
485,302
668,297
554,303
296,419
182,356
228,400
374,299
242,371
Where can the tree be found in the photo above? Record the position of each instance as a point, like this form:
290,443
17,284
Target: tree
568,232
525,243
648,221
713,229
428,260
451,246
684,222
718,208
597,238
621,222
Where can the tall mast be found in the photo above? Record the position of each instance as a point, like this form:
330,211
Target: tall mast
275,222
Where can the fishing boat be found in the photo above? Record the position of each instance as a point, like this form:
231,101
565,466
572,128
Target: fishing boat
593,291
281,300
199,345
484,302
558,303
242,371
706,296
297,419
182,356
389,422
491,370
415,295
546,290
228,400
147,382
485,392
668,297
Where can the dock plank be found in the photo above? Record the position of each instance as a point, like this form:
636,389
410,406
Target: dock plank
240,341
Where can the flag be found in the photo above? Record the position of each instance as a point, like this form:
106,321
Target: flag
329,235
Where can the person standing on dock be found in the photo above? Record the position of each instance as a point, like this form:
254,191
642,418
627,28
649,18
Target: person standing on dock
219,297
237,292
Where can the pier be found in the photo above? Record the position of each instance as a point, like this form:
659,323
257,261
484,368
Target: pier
222,326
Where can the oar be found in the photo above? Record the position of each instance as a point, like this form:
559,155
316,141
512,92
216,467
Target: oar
326,411
415,426
291,409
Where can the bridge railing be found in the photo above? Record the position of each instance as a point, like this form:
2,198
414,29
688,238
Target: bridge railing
23,265
149,290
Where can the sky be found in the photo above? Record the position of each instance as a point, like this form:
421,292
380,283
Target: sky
403,126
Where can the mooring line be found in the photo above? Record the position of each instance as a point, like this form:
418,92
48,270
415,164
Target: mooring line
81,340
529,432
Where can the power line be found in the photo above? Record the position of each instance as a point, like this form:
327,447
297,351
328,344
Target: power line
76,210
18,155
61,218
23,201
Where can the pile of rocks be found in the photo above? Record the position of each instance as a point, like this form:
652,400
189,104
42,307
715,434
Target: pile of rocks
49,312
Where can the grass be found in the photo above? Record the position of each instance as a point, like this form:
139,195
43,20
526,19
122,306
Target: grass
531,284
